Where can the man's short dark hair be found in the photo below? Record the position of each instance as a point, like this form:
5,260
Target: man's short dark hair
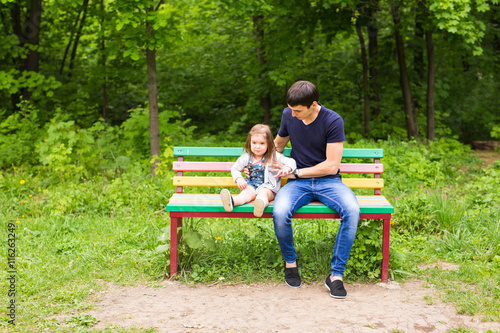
302,93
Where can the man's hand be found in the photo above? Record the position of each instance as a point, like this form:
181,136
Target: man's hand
280,169
242,183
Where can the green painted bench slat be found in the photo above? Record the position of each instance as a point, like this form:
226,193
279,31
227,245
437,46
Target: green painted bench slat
211,203
237,151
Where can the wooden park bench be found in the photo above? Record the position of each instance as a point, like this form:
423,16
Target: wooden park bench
193,174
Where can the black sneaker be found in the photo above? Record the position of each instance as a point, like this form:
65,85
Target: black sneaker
336,288
292,277
227,200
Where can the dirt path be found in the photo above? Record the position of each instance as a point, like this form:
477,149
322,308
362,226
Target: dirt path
174,307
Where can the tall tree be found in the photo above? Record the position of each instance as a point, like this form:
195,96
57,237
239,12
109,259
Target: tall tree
408,105
265,94
431,85
27,29
147,26
372,28
103,62
257,12
454,17
78,36
70,41
366,87
362,13
154,122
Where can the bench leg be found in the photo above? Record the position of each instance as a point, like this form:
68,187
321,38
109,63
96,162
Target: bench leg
175,237
385,250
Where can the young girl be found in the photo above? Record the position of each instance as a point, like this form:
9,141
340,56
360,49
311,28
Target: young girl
265,178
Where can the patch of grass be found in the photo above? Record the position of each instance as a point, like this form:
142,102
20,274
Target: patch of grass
71,236
61,260
473,289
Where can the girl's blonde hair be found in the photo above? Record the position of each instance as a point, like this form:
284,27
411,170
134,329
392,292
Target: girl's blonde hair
266,131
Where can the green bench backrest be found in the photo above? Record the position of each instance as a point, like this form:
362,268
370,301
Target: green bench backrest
237,151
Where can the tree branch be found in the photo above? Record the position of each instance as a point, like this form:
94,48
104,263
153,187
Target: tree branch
158,6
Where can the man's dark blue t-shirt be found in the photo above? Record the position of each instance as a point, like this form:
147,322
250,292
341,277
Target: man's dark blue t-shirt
309,141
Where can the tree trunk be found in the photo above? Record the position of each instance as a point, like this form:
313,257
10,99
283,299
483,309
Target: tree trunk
372,28
77,37
431,78
66,51
265,96
418,51
103,64
411,125
364,63
32,35
418,56
15,13
154,124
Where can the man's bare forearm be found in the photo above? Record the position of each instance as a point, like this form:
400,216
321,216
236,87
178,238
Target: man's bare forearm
280,143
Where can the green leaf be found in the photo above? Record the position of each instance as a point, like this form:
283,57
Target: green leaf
193,239
210,244
135,55
162,248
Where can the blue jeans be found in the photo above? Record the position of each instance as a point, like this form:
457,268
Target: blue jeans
333,193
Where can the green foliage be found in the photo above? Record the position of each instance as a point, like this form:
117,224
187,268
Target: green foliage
209,67
495,132
14,81
18,134
81,319
142,25
457,17
172,130
366,254
67,150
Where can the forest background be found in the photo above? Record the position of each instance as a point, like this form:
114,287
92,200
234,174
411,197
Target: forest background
94,95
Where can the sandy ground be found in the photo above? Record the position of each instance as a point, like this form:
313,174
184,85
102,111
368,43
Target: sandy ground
383,307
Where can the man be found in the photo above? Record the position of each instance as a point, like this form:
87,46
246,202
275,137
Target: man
316,135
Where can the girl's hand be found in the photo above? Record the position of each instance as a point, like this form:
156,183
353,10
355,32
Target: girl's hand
246,172
242,183
284,172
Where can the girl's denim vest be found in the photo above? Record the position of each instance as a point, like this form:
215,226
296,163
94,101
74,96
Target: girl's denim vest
256,173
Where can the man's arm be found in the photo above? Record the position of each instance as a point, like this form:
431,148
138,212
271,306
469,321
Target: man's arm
280,143
328,167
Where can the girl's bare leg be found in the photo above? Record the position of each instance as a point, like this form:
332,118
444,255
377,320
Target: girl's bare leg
228,201
262,201
245,196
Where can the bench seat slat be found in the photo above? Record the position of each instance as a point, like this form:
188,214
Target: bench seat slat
237,151
228,182
226,166
190,202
